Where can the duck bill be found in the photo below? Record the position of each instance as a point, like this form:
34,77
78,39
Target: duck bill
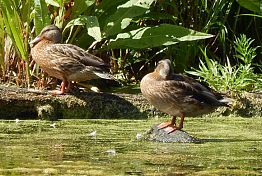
35,41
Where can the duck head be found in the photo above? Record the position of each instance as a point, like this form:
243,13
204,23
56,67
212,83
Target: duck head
50,33
164,68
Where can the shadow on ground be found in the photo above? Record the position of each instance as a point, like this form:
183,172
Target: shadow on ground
24,103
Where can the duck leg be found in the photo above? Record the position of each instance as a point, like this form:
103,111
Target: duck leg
62,89
68,87
168,124
171,125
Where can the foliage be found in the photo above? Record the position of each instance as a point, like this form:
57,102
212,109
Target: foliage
227,77
136,36
16,25
40,15
2,45
252,5
245,52
149,37
110,28
130,34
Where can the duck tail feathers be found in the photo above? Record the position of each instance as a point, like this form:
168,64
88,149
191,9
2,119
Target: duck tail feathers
226,101
104,75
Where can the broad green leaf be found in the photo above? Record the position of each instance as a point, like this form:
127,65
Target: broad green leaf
91,24
105,9
93,28
41,16
75,22
108,7
252,5
157,16
81,6
148,37
124,14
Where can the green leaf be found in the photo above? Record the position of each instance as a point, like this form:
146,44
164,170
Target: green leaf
14,12
148,37
13,24
57,3
81,6
2,41
53,3
41,16
76,22
93,28
108,7
252,5
105,9
124,14
91,24
26,10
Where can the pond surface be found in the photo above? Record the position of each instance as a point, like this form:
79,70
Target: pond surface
232,146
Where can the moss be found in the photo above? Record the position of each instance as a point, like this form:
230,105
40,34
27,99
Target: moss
46,112
26,104
246,105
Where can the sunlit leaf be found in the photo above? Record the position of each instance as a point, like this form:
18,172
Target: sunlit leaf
148,37
93,28
124,14
53,3
91,24
57,3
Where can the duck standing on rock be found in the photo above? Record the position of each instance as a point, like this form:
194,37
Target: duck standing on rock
66,62
178,95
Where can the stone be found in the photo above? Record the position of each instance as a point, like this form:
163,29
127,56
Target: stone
160,135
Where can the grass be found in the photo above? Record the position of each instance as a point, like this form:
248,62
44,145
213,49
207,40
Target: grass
233,146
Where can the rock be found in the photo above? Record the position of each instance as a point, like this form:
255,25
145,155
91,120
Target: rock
25,103
160,135
32,104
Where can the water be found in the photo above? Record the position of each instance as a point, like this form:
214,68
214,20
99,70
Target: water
70,147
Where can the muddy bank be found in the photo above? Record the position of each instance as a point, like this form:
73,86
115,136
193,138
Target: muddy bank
24,103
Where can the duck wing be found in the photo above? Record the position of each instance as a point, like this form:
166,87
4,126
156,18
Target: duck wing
193,90
73,52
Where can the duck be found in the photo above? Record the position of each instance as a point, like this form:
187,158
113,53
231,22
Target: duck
65,62
178,95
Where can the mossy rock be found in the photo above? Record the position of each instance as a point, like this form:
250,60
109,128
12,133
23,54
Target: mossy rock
23,103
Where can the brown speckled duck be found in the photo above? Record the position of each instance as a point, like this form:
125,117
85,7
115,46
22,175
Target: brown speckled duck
65,61
178,95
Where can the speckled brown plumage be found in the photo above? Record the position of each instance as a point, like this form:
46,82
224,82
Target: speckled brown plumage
65,61
178,95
